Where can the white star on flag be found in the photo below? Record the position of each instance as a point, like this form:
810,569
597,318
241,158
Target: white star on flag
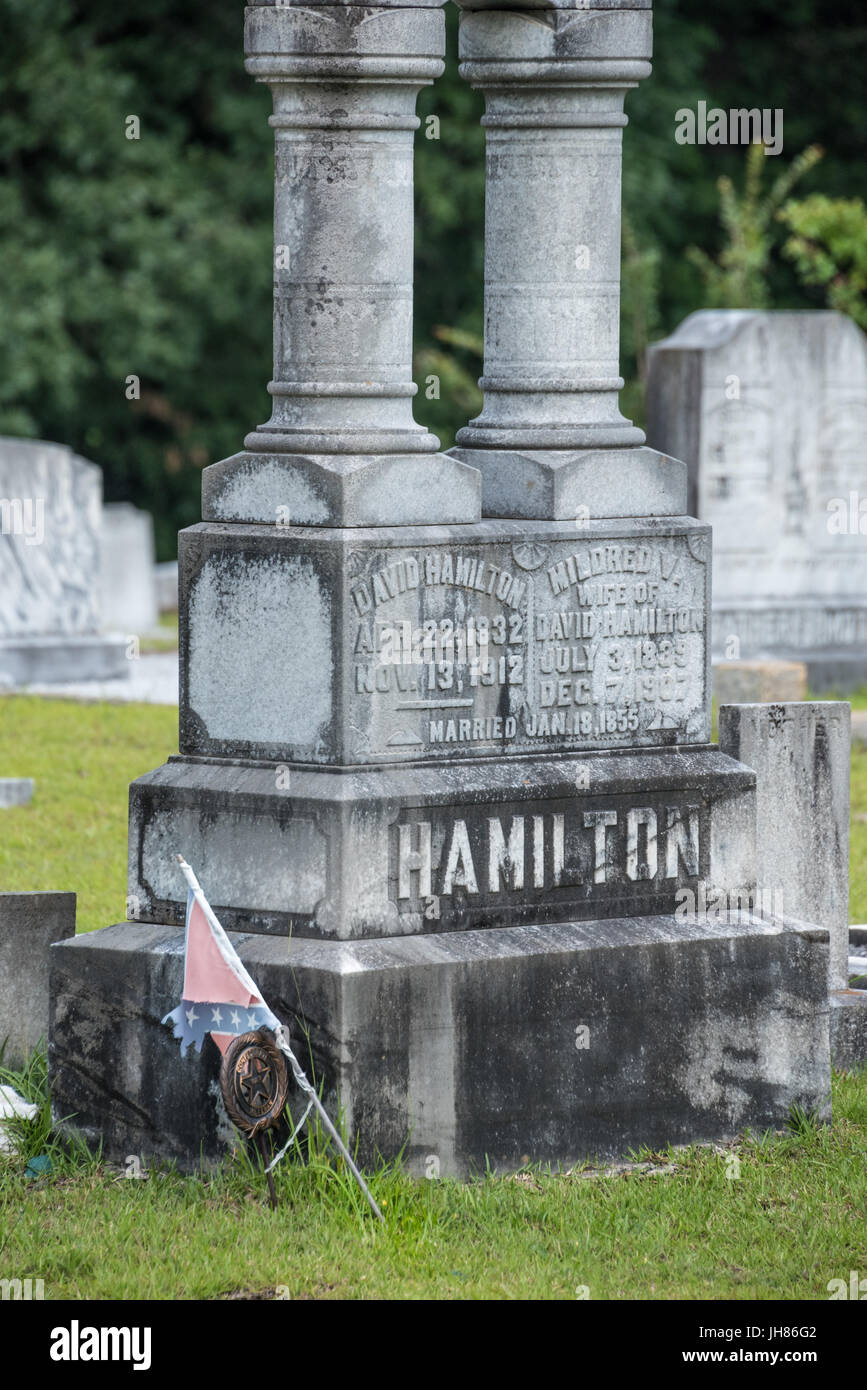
191,1016
236,1018
251,1020
216,1016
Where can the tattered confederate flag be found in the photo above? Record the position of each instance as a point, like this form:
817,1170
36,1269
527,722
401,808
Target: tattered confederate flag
219,997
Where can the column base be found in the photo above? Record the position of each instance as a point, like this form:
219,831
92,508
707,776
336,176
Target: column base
397,489
530,1044
570,484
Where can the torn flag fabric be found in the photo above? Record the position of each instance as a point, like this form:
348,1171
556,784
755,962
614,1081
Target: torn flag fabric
219,996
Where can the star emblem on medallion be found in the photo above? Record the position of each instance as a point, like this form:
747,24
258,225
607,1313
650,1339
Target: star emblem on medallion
254,1083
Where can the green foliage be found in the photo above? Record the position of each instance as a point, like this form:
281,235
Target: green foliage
639,303
828,245
147,257
738,277
152,257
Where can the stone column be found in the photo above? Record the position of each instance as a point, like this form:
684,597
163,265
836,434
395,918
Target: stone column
341,437
551,440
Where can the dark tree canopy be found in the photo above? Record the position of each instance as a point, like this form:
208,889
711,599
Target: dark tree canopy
151,257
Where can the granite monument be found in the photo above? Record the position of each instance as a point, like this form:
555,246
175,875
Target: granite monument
444,761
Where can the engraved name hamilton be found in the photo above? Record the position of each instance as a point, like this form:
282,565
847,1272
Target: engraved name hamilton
595,848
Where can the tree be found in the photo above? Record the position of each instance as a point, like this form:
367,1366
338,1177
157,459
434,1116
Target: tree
829,248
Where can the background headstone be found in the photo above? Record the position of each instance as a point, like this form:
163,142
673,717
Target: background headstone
166,579
127,582
769,410
29,924
50,524
800,754
759,682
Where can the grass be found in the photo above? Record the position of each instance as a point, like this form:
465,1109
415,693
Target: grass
772,1217
73,834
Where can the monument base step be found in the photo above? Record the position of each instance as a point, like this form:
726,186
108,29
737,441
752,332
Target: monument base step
545,1044
848,1028
43,660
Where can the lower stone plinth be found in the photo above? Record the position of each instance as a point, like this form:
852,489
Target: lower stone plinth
552,1043
44,660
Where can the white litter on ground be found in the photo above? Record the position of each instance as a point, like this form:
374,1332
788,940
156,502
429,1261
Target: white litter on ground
11,1104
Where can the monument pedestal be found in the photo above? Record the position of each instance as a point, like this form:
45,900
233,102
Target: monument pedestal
451,777
551,1043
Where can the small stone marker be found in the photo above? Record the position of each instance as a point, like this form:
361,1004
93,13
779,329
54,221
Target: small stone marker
50,508
15,791
769,411
759,682
166,580
127,582
800,754
29,924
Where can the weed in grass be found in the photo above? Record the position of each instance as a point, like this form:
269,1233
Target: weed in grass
805,1123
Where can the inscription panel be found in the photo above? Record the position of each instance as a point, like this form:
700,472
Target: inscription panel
592,856
524,645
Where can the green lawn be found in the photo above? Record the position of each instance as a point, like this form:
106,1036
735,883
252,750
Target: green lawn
83,757
784,1218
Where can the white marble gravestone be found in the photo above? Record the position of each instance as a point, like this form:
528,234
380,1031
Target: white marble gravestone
770,412
127,581
50,519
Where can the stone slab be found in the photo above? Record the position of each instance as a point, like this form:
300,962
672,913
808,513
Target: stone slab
800,753
398,851
341,490
29,924
390,644
127,589
16,791
54,660
848,1029
151,680
468,1047
166,581
759,682
564,485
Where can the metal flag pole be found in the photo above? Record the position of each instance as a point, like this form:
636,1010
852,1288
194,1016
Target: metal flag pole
281,1040
308,1090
